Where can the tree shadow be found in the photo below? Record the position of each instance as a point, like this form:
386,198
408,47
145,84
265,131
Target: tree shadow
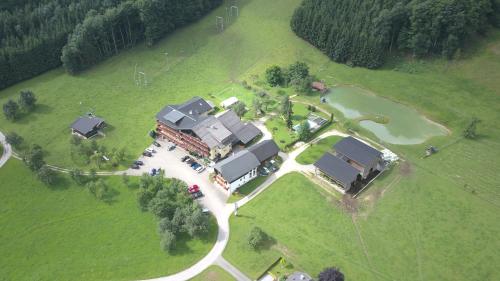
60,183
267,244
111,196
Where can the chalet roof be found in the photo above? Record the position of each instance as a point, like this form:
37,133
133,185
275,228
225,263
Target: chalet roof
213,132
85,125
237,165
318,86
264,150
244,132
184,116
337,168
357,151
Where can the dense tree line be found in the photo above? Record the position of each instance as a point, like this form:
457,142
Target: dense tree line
39,35
361,32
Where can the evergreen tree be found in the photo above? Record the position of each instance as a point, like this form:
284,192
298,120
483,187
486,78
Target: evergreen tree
11,110
27,100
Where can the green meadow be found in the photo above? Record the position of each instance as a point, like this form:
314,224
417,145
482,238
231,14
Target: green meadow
65,233
427,219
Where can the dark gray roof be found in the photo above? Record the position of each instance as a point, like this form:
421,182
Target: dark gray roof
85,125
184,116
299,276
337,168
357,151
248,133
244,132
265,150
237,165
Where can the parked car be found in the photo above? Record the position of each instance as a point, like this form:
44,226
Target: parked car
153,172
147,153
195,165
150,150
135,166
172,147
156,144
190,161
205,210
200,169
138,162
197,195
194,188
184,158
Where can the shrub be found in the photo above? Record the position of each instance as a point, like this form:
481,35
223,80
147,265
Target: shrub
167,242
11,110
27,100
46,175
274,75
257,237
14,139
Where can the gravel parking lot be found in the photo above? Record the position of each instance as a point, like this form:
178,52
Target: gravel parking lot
170,162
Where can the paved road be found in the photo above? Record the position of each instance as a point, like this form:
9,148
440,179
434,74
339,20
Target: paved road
7,150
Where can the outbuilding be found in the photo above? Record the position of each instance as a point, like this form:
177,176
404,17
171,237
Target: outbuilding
337,170
87,126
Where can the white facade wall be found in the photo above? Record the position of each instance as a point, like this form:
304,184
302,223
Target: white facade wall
241,181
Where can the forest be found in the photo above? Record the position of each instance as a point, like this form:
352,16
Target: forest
363,32
36,36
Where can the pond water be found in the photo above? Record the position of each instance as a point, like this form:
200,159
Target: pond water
405,126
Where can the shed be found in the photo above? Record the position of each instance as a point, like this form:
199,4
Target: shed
299,276
229,102
338,170
87,126
319,86
265,150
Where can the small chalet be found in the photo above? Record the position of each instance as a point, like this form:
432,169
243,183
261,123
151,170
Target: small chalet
87,126
319,86
361,156
337,170
265,150
352,162
240,168
236,170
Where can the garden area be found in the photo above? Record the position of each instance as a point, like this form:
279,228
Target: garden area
246,189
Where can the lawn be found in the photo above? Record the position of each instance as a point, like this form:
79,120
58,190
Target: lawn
435,223
316,150
246,189
407,236
64,233
214,273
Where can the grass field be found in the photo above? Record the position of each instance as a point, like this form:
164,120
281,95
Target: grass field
64,233
376,243
213,273
316,150
436,219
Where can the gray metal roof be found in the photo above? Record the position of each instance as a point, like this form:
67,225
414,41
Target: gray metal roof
265,150
184,116
337,168
213,132
85,125
299,276
237,165
244,132
357,151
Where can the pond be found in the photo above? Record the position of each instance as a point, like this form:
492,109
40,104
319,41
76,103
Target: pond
402,124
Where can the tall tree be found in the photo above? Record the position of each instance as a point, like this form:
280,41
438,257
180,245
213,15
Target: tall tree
331,274
27,100
11,110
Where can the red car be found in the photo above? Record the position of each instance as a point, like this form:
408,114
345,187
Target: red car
193,189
